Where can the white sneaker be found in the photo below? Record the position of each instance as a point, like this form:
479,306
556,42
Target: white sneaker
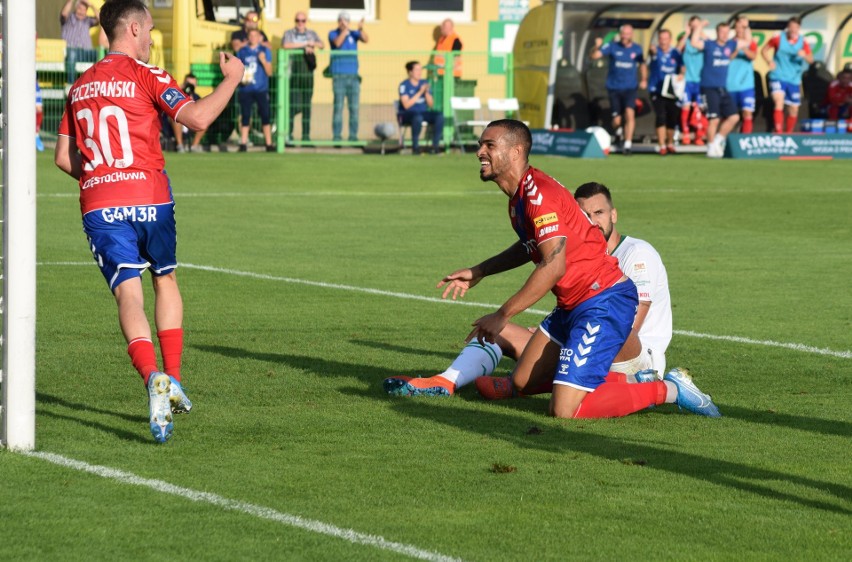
715,151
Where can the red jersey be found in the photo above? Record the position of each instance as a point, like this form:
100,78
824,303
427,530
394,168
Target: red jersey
542,209
113,114
838,93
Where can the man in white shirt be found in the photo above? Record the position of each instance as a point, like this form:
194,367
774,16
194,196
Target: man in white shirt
641,262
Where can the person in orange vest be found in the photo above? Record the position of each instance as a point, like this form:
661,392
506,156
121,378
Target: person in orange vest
448,41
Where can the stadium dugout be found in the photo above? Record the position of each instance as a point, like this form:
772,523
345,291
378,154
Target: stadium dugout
557,83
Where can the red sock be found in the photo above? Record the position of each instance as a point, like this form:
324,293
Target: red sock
778,120
39,119
684,120
748,125
791,123
143,357
547,387
613,399
171,347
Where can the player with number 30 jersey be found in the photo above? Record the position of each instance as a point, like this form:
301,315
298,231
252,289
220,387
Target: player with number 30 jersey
109,141
112,113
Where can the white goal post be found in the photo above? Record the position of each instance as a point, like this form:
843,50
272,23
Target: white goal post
17,426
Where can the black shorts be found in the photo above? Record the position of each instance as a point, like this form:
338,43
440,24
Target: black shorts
666,111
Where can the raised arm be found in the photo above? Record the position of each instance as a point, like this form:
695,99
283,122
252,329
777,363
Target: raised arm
596,53
364,37
66,10
201,114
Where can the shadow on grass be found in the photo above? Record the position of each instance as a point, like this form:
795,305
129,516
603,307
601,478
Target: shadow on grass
371,375
120,433
57,401
803,423
564,439
448,355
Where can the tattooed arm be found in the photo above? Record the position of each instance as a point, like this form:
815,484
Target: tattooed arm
546,274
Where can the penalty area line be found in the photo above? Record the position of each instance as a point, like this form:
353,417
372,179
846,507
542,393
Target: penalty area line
258,511
408,296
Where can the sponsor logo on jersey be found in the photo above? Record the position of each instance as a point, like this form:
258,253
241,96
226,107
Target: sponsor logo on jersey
172,97
135,214
639,266
548,230
549,218
113,178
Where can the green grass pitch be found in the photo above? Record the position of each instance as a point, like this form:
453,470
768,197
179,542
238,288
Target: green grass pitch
307,279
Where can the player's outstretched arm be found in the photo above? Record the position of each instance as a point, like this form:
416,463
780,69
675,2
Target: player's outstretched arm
67,158
201,114
458,282
544,277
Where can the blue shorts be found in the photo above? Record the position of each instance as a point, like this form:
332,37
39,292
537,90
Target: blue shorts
719,103
591,335
744,100
619,100
792,92
691,94
127,240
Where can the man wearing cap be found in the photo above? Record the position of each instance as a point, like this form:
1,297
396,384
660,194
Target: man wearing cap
239,38
345,82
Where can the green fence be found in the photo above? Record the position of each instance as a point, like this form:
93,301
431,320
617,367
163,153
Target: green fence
302,100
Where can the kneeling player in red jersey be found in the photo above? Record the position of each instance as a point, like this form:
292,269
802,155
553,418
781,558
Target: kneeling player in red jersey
572,349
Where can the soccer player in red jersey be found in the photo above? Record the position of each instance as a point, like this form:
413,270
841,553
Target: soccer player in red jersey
109,141
576,343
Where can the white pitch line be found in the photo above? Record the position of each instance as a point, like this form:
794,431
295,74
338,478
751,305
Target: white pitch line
242,507
688,333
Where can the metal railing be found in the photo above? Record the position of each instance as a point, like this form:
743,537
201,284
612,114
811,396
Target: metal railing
302,100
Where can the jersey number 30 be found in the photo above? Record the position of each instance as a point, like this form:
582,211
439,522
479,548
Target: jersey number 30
102,147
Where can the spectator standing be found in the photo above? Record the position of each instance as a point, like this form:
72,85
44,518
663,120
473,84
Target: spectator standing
740,82
625,57
239,38
254,89
666,63
721,110
302,72
448,41
345,81
416,102
789,61
690,101
838,98
75,32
